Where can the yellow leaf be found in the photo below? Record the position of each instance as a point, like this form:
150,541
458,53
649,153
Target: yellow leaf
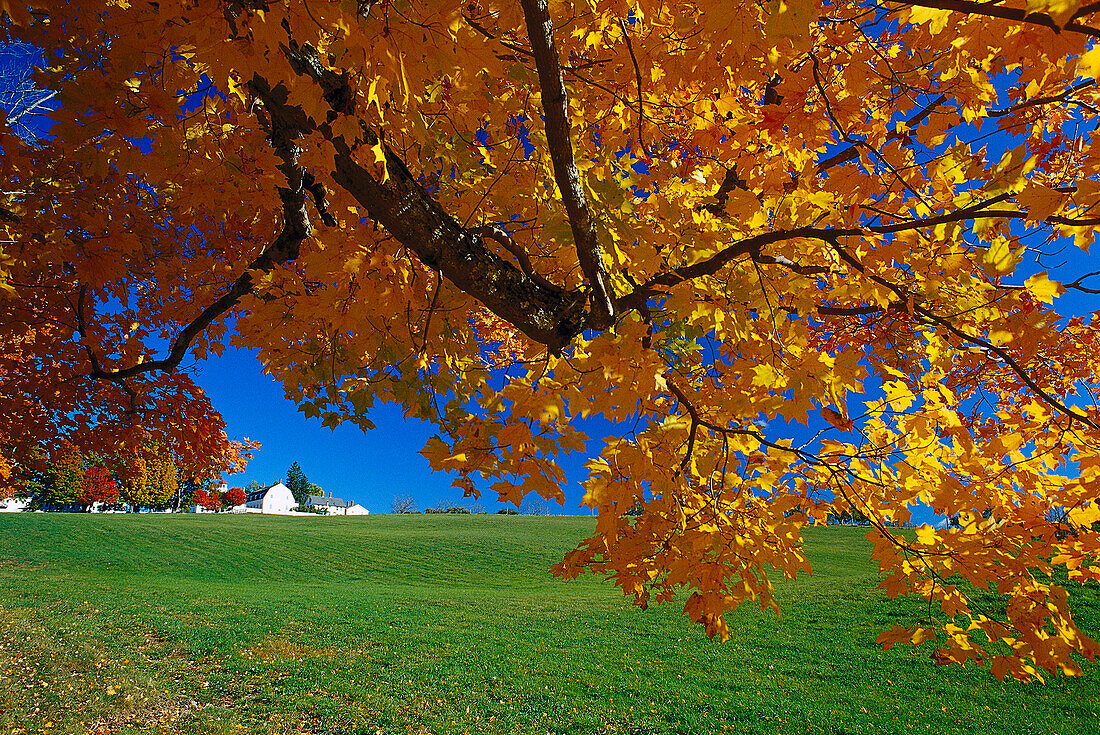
934,17
1086,515
922,635
999,257
926,535
1042,288
1088,65
380,161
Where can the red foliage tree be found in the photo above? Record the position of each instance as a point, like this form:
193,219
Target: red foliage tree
206,499
233,496
99,487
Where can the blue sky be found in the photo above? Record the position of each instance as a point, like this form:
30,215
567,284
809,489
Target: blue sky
369,468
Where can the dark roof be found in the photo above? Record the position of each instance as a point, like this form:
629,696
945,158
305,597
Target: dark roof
330,502
258,494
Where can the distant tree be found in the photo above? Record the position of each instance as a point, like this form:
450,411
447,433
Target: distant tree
133,478
312,489
850,517
98,487
403,504
148,477
507,512
203,497
217,500
297,482
449,509
163,477
64,477
29,474
535,507
254,487
189,492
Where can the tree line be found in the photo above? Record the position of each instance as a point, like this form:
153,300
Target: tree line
68,479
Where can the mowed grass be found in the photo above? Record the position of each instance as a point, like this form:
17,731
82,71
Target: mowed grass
429,624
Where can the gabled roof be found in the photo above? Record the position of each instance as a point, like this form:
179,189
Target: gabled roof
330,502
259,494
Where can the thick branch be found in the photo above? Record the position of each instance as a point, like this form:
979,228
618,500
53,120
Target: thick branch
544,312
990,10
555,105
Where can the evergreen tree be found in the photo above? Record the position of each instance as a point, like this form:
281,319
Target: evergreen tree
297,482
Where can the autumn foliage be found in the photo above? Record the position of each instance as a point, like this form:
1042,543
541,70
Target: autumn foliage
217,499
149,476
767,262
99,487
234,496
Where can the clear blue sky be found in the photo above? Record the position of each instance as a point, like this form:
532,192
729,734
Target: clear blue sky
369,468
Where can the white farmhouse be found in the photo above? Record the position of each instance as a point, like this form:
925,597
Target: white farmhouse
335,506
276,499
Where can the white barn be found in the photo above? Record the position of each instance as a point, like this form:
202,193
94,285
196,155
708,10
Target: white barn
276,499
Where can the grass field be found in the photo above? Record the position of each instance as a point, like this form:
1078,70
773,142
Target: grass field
432,624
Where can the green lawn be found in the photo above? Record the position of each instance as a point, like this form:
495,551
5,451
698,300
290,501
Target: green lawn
436,624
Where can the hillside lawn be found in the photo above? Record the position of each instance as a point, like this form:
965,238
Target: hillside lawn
452,624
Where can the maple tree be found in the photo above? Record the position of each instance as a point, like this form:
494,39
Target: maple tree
234,496
218,499
208,498
705,224
149,477
99,487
